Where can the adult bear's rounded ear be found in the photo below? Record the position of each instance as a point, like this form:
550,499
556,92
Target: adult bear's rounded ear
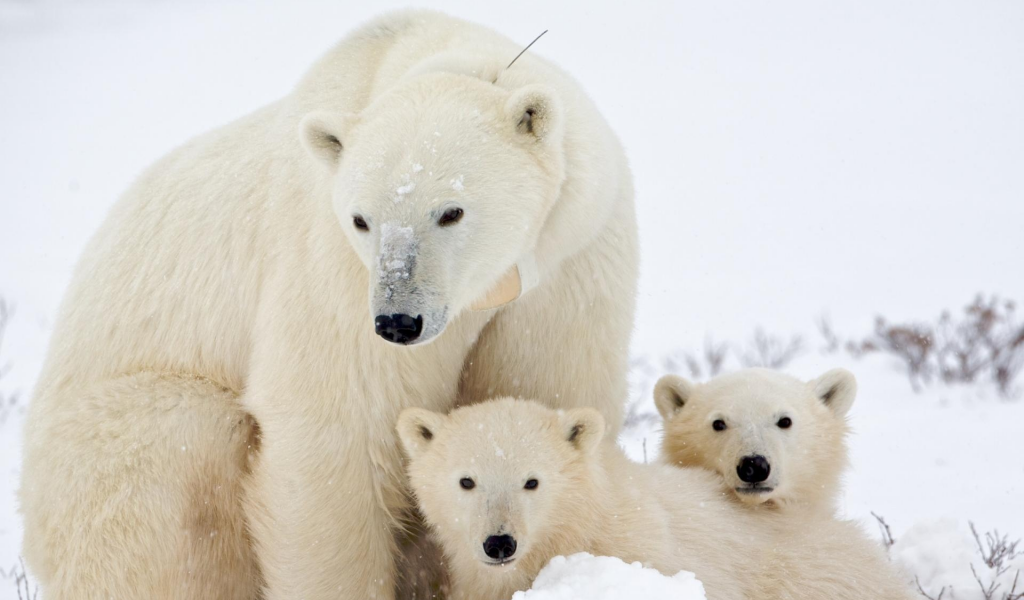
535,111
671,393
417,428
583,428
322,133
837,389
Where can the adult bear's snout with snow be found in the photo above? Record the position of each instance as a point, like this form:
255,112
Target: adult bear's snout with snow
438,226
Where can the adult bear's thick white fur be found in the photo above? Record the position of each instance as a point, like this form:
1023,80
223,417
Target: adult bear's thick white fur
216,404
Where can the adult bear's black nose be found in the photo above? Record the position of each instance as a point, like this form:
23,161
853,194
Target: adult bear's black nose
398,328
500,547
753,469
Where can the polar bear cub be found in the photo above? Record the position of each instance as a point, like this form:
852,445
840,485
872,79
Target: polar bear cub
775,440
507,485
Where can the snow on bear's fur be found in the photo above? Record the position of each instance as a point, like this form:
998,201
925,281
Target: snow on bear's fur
775,440
507,485
216,414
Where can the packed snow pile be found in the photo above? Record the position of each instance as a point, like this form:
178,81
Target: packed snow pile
954,562
586,577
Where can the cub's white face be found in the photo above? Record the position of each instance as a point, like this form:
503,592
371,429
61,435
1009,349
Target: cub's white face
490,478
441,186
772,437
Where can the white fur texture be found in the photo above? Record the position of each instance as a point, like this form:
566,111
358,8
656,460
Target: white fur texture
591,498
807,458
216,415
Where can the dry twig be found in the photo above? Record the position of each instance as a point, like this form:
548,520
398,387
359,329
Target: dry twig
925,594
887,538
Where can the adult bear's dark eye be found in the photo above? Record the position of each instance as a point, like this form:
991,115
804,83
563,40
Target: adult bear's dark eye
467,483
785,423
450,217
360,223
718,425
531,484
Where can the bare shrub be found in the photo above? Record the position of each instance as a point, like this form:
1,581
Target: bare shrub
1014,594
5,315
679,361
8,400
642,375
959,353
912,343
987,337
635,415
1002,338
645,372
828,335
988,590
770,351
887,539
942,592
18,574
708,362
859,349
986,341
997,552
714,356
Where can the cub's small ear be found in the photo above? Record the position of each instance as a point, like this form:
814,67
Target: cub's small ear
837,389
534,110
583,428
417,428
671,393
322,133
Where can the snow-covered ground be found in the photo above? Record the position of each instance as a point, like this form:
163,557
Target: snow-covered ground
791,158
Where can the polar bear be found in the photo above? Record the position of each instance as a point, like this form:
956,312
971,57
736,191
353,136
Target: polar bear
216,415
509,484
776,441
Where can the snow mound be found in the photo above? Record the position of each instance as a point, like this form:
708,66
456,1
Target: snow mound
586,577
941,554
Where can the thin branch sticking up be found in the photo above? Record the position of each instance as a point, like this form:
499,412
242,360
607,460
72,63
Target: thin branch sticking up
925,594
988,592
887,538
997,551
1013,594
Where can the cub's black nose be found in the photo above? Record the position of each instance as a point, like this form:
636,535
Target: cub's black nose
500,547
753,469
398,328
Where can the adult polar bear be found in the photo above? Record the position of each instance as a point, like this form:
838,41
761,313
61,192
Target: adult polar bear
216,407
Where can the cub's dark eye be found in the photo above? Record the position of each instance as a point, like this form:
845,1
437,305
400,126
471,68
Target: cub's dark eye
531,484
718,425
360,223
785,423
467,483
450,217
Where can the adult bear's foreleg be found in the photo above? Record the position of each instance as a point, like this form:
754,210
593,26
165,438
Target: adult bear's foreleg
132,489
